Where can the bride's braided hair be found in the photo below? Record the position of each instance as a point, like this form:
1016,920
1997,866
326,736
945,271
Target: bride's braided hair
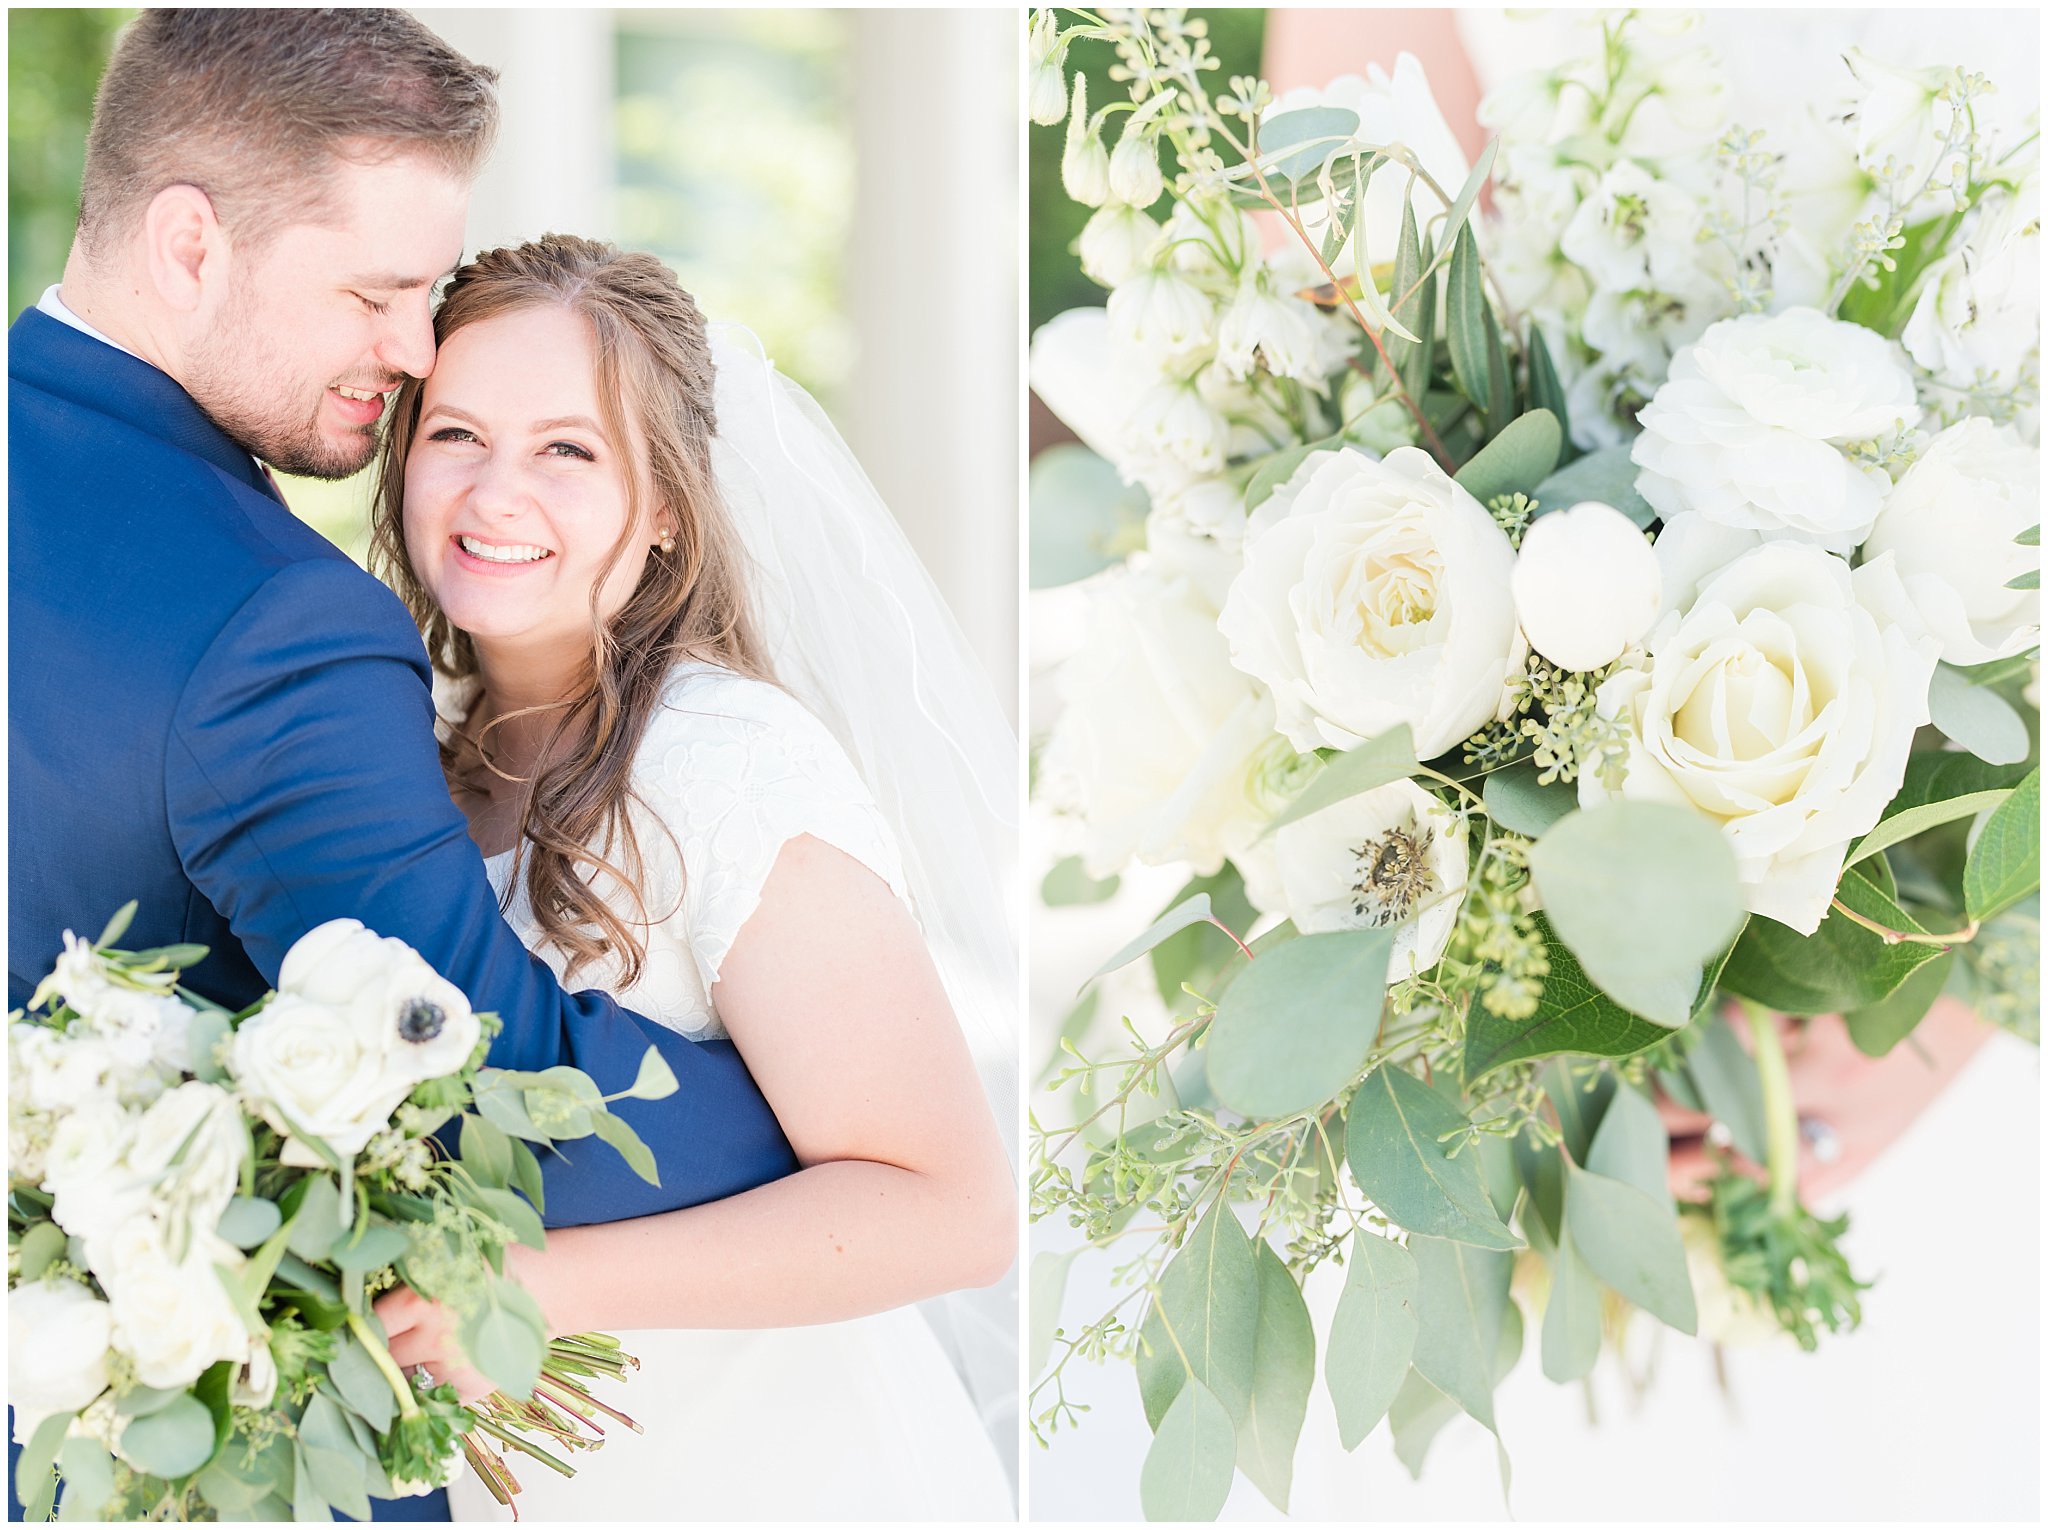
654,366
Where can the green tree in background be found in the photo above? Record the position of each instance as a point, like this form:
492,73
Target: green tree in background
1236,37
54,60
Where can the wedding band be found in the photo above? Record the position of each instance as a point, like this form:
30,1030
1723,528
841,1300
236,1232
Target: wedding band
1825,1141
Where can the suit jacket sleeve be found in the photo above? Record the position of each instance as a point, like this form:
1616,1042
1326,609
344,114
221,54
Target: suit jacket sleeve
304,784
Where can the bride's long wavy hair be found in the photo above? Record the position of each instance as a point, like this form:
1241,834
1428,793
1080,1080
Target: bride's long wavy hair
653,368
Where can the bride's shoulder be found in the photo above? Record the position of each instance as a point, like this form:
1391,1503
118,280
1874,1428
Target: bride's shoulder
714,723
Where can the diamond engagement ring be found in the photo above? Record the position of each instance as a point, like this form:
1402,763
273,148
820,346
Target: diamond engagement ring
1825,1141
424,1377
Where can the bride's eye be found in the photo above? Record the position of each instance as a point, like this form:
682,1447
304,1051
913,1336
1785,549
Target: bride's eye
451,433
568,449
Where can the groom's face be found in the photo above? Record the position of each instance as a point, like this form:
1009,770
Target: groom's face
319,325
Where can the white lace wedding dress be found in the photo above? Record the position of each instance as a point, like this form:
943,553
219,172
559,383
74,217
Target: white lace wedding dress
858,1420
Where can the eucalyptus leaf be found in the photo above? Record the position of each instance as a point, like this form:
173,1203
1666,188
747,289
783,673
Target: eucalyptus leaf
2005,863
1083,517
1877,1028
1580,1102
1297,1027
505,1346
1517,460
368,1246
88,1478
1209,1304
316,1219
40,1247
2030,580
1418,1415
308,1507
171,1442
1193,911
1645,894
1518,802
1471,357
1540,1168
501,1102
1048,1289
1572,1016
521,1218
1571,1317
656,1080
1632,1244
1362,768
1283,1372
247,1222
618,1133
1068,885
486,1150
140,1401
362,1385
34,1481
1199,953
1976,717
1293,145
526,1176
1461,205
1546,392
1372,1335
1606,476
1187,1471
1632,1145
117,926
1725,1077
1461,1300
1394,1144
204,1031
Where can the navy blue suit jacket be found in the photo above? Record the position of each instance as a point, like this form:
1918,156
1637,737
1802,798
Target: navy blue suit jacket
213,711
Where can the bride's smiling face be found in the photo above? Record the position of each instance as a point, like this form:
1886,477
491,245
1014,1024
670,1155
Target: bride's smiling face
515,493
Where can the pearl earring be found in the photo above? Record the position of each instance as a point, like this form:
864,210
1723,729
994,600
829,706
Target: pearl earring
668,540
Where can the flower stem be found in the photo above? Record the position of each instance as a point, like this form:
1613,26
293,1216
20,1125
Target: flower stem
1781,1112
1893,937
408,1405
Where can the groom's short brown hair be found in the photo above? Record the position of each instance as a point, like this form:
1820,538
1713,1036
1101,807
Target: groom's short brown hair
254,107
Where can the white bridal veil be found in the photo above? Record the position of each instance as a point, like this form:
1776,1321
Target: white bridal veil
857,632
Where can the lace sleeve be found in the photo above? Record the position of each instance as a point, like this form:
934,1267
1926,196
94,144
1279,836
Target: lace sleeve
735,769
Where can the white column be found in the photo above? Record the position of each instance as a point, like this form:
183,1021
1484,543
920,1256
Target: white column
934,291
553,169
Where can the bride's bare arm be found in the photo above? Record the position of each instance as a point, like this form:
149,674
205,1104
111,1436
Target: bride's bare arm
831,996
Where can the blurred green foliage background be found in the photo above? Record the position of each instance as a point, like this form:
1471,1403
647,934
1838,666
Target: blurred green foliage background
54,59
1236,37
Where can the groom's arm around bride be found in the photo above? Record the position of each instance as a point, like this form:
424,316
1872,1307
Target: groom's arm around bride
212,710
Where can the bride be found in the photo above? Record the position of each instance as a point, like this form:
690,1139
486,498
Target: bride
630,561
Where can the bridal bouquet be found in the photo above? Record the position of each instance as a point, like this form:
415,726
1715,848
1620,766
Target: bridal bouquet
1558,629
201,1206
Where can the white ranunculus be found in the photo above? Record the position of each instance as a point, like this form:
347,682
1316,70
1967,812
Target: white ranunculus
1279,331
308,1068
1395,108
87,1170
77,1070
1978,316
1782,704
1162,749
1134,177
1393,856
1750,430
397,1001
1164,315
1374,593
58,1334
1116,242
1634,232
173,1320
1951,521
1586,586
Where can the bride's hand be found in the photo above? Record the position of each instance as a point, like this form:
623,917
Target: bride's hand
420,1332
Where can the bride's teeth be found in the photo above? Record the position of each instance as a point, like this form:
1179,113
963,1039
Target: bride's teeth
512,554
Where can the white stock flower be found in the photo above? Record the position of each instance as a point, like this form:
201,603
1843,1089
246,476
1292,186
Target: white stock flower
1173,423
1162,749
1586,586
1116,242
1900,115
1951,521
1281,332
58,1335
1978,315
397,1001
1164,315
1634,232
1373,594
1393,856
1134,177
308,1068
1750,430
173,1319
1781,703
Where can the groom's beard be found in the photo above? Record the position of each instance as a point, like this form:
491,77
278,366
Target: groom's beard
249,389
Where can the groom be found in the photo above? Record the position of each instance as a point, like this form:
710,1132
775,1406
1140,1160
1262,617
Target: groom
211,709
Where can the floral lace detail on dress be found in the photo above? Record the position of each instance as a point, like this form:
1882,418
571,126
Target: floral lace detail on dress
729,771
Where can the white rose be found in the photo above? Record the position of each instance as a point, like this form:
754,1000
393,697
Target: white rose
1164,315
1396,108
1162,749
308,1068
1393,856
87,1171
1636,232
1951,521
1978,316
1586,586
200,1121
1374,593
58,1334
176,1319
1116,242
397,1001
1782,703
1749,431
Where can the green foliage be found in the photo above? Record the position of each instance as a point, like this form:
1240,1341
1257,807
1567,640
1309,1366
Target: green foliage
1572,1017
1606,476
1198,953
2005,863
1376,762
1790,1262
1372,1335
1517,460
1083,516
1187,1471
54,63
1631,1242
1877,1028
1297,1027
1842,966
1400,1141
1977,717
1461,1295
1283,1371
